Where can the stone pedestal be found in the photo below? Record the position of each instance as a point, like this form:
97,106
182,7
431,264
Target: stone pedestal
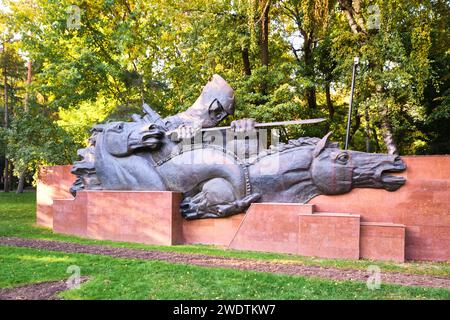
211,231
383,241
131,216
270,227
54,182
329,235
70,215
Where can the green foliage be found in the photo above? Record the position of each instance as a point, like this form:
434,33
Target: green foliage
120,53
33,139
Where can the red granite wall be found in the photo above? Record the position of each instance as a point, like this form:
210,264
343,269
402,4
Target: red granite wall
382,241
70,215
54,182
329,235
270,227
422,205
211,231
131,216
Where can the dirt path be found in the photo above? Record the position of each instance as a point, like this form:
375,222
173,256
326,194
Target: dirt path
36,291
230,263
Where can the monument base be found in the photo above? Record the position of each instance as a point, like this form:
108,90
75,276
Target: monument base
131,216
154,218
412,223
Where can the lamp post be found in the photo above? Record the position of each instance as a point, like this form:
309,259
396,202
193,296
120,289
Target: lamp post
350,107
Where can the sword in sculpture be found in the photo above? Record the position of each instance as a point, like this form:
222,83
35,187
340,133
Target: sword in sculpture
152,116
271,124
259,125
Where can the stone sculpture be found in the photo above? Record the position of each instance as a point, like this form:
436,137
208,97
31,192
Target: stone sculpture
215,182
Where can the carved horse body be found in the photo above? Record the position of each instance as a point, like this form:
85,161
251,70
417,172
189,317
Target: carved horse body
216,183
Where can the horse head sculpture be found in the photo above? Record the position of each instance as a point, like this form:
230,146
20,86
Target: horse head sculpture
337,171
307,167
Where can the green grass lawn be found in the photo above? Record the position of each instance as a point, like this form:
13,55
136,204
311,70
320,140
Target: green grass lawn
114,278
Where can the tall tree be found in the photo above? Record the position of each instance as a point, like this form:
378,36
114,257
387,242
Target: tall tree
97,60
311,20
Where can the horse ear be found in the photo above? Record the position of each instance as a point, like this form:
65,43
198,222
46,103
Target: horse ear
98,128
321,144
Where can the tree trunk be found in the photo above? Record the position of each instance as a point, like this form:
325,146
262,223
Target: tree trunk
352,11
311,97
386,127
264,34
26,108
21,184
329,106
26,105
264,40
388,136
357,14
11,176
375,137
354,128
6,177
5,92
246,62
329,101
367,130
309,69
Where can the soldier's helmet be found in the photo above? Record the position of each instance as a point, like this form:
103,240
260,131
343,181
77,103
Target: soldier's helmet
216,89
